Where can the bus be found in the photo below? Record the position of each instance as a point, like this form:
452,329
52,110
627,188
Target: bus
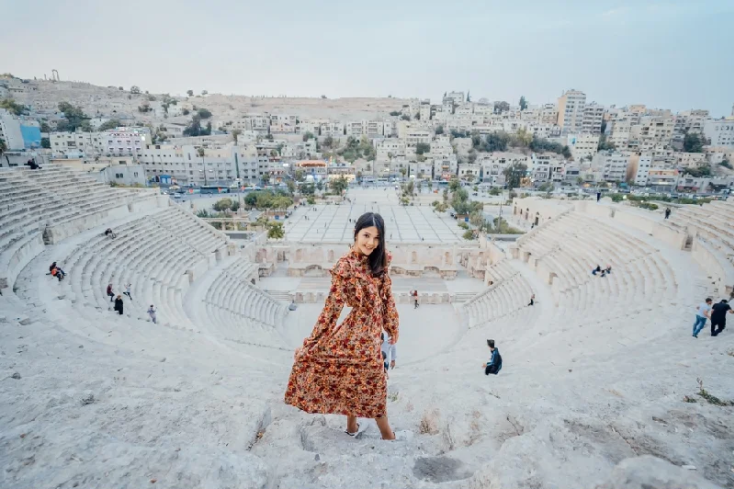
213,190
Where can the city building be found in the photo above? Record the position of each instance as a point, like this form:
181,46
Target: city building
720,132
583,146
571,111
612,165
638,170
593,117
10,131
129,175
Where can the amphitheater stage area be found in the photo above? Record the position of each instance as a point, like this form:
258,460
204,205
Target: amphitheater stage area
602,385
410,224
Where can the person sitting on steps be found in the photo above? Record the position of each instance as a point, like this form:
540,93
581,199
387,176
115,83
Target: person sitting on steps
108,232
596,270
494,365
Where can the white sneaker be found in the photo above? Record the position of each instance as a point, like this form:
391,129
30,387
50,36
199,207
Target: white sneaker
403,435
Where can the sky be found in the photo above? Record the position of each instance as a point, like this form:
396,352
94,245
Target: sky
665,54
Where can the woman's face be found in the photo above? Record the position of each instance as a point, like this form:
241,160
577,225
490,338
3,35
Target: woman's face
367,240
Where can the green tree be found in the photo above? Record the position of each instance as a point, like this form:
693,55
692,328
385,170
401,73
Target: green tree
275,230
45,127
339,185
291,186
439,130
421,148
110,124
307,136
545,187
460,202
395,113
468,235
513,174
604,144
320,185
194,127
223,205
135,90
523,103
692,143
500,107
45,143
523,137
190,93
236,134
328,142
299,176
75,118
405,117
204,113
235,206
454,185
725,163
13,107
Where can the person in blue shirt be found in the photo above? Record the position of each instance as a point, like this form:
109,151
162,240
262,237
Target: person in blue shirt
494,365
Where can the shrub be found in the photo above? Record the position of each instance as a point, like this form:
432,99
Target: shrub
463,225
468,234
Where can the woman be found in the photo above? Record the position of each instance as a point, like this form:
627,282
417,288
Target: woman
339,368
118,305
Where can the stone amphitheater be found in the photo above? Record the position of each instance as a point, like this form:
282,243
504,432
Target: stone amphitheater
599,389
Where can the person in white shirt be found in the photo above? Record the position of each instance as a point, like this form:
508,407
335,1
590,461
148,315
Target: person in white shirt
703,311
390,351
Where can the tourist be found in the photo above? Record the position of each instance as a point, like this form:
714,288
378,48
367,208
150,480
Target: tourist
414,294
703,311
598,196
596,270
718,316
389,349
118,305
151,313
109,233
127,291
494,365
56,271
667,212
608,269
110,293
336,362
532,300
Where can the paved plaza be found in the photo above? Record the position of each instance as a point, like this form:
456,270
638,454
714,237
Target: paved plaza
406,224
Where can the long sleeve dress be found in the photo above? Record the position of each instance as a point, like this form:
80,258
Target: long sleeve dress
339,370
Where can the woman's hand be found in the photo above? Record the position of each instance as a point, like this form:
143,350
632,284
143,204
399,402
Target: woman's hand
392,341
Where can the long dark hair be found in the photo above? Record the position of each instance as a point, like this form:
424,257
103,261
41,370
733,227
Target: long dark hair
378,257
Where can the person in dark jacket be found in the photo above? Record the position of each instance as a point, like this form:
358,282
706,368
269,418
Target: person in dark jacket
118,305
718,316
494,365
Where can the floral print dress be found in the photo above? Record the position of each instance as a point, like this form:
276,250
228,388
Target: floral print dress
339,370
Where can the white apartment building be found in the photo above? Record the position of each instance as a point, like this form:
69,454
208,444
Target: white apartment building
218,166
641,165
493,164
353,129
541,166
373,129
331,128
388,149
456,97
444,169
125,141
390,128
464,110
690,160
548,114
77,144
720,132
10,131
421,169
653,131
425,112
613,165
469,172
571,111
691,121
583,145
415,136
593,116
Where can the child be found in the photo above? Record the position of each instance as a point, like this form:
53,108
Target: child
151,313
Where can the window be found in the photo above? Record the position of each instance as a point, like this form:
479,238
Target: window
118,175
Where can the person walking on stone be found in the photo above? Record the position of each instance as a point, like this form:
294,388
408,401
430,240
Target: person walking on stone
339,368
415,299
151,313
667,212
718,316
127,291
118,305
110,293
390,350
703,311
